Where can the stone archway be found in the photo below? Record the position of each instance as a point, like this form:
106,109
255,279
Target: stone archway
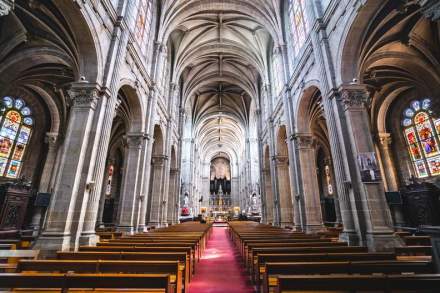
173,194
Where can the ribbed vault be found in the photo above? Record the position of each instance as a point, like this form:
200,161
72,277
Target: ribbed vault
220,51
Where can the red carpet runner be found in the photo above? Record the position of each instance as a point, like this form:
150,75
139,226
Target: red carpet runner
220,269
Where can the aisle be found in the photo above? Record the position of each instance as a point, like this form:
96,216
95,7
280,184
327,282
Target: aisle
220,270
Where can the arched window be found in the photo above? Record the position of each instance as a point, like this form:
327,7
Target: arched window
277,73
143,23
299,24
422,132
15,130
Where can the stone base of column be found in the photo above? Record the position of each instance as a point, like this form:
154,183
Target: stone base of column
88,238
49,244
381,242
125,229
154,224
351,237
288,224
142,229
310,229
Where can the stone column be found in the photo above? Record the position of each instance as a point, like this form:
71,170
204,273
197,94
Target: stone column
172,196
312,202
390,173
6,6
329,163
156,197
127,214
269,200
370,204
47,174
286,207
57,234
430,9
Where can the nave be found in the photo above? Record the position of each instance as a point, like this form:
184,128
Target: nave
234,257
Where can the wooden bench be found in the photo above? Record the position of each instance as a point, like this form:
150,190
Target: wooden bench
181,257
273,270
263,258
360,283
173,268
64,282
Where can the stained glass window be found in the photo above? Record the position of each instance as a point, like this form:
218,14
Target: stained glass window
298,23
143,23
15,130
422,132
277,73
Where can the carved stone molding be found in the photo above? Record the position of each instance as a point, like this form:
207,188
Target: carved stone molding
304,141
385,139
84,95
430,9
354,96
134,140
158,160
281,160
6,6
51,139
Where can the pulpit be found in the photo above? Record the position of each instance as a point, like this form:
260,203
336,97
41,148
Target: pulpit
14,199
421,204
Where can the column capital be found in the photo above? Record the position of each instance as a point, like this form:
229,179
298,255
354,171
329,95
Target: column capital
134,139
430,9
280,159
385,139
51,138
84,94
354,96
304,140
6,6
158,159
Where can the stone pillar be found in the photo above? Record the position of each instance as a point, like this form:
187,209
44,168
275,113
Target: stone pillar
390,174
312,202
329,163
127,214
387,161
269,198
430,9
57,234
286,207
47,174
6,6
370,204
156,197
172,197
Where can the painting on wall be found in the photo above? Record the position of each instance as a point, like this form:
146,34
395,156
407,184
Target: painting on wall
368,167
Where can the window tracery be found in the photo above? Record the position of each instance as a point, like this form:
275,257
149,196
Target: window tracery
16,125
298,21
422,134
143,24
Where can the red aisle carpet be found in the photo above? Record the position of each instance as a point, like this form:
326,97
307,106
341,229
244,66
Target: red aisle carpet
220,269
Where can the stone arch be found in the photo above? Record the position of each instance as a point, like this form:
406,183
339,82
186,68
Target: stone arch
136,116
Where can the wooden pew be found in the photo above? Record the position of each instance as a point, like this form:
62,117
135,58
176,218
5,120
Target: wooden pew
263,258
173,268
359,283
273,270
301,250
33,281
134,248
181,257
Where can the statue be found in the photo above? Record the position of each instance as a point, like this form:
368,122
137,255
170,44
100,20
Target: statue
186,201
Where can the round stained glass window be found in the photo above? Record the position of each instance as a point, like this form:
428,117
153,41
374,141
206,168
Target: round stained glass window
28,121
426,104
26,111
8,102
19,103
409,112
415,105
407,122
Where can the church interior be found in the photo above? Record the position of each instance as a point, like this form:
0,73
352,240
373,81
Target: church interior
220,146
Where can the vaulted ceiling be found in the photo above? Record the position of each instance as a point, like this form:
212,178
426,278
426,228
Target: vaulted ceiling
220,55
